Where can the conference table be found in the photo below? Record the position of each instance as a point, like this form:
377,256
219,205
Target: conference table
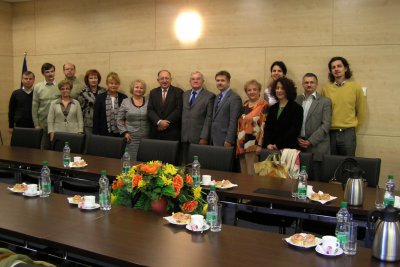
126,235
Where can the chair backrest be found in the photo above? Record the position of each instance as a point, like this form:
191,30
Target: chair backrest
75,141
217,158
105,146
371,166
163,150
27,137
305,159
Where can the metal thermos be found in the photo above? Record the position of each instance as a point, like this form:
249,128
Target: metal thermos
386,243
354,192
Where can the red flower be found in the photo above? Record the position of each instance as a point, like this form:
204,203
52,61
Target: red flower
189,206
189,179
136,179
178,180
150,168
177,189
114,185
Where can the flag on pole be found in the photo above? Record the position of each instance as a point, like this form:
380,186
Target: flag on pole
24,67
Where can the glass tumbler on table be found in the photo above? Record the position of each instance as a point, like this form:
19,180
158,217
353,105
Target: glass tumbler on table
350,244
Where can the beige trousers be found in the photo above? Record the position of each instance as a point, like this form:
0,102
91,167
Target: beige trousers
247,162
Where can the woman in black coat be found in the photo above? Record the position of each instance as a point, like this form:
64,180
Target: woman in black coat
285,118
106,108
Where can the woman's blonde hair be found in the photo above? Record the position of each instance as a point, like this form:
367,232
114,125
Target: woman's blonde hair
135,82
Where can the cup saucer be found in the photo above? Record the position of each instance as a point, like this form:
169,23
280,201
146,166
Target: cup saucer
32,194
205,228
319,250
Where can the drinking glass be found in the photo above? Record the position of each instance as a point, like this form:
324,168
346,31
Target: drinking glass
216,225
294,183
379,198
350,245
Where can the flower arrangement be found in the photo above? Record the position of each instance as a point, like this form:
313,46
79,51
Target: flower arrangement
148,182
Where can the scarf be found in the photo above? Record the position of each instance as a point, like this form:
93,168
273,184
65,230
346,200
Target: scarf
111,114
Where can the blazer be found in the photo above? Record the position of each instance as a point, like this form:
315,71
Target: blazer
196,119
225,118
170,110
99,114
317,125
57,122
283,132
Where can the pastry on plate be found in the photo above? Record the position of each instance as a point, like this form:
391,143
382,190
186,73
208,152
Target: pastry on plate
309,240
297,239
181,217
20,187
325,197
77,199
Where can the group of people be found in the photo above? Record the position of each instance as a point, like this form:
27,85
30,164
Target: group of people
275,119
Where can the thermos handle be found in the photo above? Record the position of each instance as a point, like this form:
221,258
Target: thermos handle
372,214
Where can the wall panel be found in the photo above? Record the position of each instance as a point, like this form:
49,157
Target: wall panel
366,22
5,29
89,26
238,23
243,64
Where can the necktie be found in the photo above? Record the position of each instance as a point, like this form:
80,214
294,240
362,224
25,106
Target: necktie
164,94
218,101
193,98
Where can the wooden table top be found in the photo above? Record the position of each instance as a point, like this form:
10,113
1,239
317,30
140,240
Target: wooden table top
127,236
247,183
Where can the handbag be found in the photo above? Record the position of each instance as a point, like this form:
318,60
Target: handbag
272,166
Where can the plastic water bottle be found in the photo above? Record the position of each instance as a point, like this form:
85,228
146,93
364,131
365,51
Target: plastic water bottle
104,192
45,182
196,171
389,193
66,155
212,213
342,223
126,162
302,183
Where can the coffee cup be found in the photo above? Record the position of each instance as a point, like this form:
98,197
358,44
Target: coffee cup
31,189
330,244
196,222
206,180
77,159
89,201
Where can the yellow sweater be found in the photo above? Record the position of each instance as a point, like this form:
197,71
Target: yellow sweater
348,104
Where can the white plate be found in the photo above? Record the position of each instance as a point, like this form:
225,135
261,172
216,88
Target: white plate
15,191
205,228
96,206
309,193
205,184
226,187
77,167
38,193
71,201
320,251
317,241
171,220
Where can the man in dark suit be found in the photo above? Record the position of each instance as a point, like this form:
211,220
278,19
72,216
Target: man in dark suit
197,111
316,121
227,108
165,109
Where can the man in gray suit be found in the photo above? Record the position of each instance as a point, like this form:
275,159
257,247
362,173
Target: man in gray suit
197,111
316,121
227,109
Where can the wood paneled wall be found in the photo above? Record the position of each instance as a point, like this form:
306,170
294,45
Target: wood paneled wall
136,39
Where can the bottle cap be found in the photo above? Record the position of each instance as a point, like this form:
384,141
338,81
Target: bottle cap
45,163
66,143
343,204
103,172
196,157
212,187
390,177
126,149
303,167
